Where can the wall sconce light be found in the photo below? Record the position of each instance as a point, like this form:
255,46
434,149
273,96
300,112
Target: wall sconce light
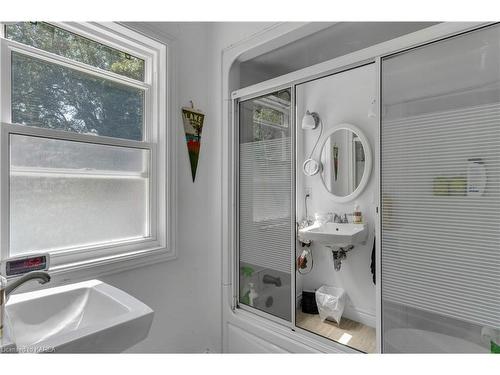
310,120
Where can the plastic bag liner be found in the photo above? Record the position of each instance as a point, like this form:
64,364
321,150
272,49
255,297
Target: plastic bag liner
331,302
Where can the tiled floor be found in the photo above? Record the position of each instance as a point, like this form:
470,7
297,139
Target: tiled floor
351,333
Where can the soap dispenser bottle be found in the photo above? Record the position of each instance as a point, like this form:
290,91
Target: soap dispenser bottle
357,215
252,295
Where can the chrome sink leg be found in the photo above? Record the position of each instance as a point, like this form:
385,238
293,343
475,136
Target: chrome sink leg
339,255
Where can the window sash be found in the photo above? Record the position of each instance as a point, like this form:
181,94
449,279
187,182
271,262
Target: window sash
61,256
153,138
95,32
8,46
79,37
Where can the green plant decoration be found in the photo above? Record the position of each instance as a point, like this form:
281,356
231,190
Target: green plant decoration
247,271
495,348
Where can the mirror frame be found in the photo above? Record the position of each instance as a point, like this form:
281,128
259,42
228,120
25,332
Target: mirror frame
368,162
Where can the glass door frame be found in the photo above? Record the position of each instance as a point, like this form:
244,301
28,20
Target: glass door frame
373,54
381,58
236,153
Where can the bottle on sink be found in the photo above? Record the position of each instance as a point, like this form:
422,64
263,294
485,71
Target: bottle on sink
357,215
252,295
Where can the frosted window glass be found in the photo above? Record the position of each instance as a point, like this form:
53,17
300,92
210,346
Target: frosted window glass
65,194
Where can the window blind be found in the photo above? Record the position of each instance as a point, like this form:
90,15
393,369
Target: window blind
265,203
440,235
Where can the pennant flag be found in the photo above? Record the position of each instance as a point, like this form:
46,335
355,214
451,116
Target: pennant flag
193,124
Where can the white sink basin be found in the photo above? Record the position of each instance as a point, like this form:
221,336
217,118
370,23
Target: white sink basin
86,317
334,234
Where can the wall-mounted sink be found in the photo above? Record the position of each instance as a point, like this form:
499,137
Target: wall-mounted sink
335,234
86,317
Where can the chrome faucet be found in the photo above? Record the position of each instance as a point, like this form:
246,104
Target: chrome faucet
42,277
340,219
268,279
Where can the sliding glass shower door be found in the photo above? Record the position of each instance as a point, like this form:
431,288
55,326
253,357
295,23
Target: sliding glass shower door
266,230
440,192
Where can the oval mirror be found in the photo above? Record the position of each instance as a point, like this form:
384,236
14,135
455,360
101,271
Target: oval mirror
346,161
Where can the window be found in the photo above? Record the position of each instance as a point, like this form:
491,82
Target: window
270,116
83,142
62,42
52,96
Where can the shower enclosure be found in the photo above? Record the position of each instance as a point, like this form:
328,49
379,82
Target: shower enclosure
438,181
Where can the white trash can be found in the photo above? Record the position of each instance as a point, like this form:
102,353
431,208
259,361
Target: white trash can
331,303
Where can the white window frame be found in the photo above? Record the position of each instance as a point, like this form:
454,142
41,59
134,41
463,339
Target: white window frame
156,139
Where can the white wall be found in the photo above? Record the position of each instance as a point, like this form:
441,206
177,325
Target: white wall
186,293
340,98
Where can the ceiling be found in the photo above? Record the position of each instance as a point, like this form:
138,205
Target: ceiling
334,41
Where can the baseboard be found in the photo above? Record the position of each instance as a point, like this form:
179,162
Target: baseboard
351,312
360,315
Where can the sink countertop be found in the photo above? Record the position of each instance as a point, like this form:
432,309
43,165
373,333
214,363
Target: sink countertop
331,234
85,317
